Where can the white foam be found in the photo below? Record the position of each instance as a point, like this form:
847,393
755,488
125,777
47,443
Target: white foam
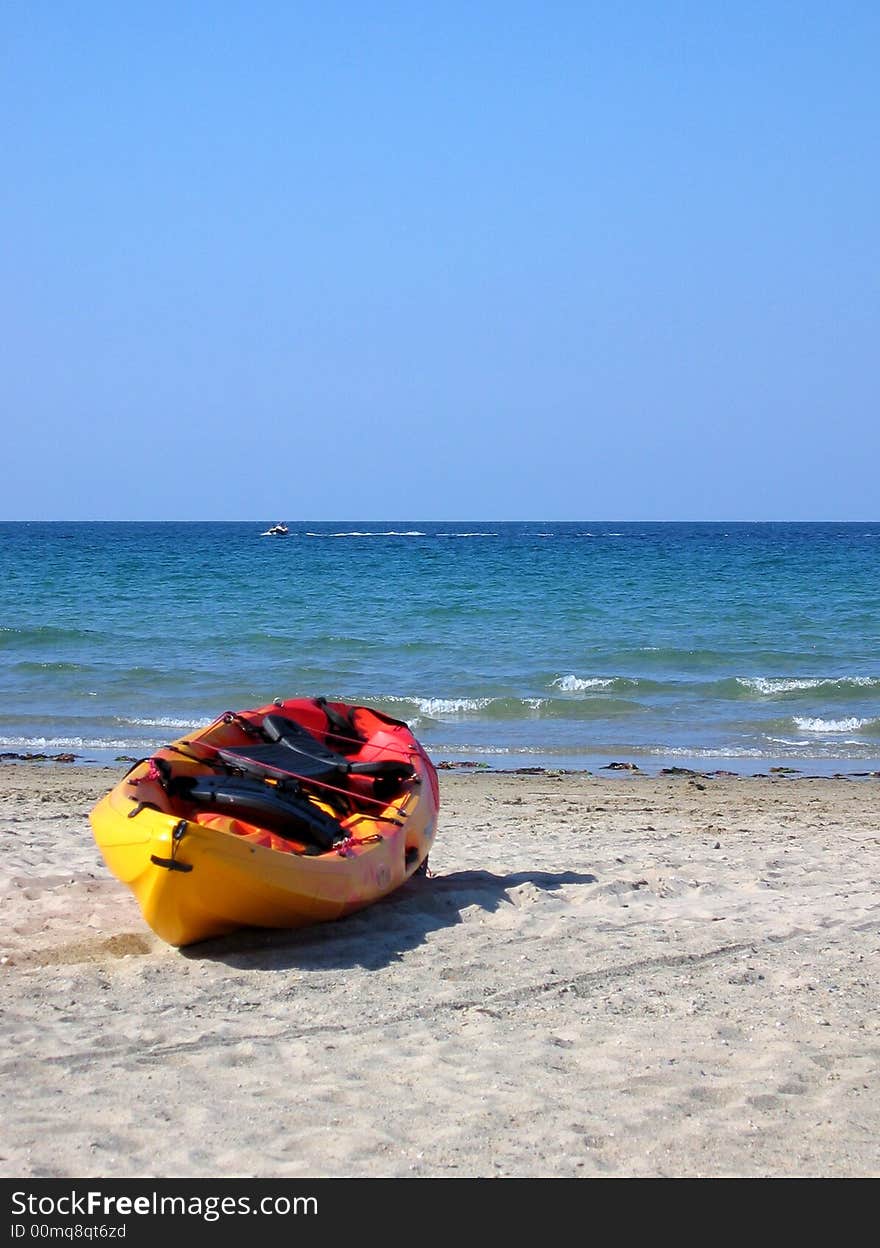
67,743
481,749
814,724
771,685
168,721
733,751
577,684
449,706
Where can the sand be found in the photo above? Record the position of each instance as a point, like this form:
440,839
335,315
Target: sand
607,975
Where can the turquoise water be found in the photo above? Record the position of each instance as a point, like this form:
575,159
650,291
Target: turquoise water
565,645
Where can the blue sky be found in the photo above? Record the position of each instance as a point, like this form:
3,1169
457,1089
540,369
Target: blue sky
510,261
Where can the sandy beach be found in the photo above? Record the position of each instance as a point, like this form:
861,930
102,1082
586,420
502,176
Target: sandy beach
604,975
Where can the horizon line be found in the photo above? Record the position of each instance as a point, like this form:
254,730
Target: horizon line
444,520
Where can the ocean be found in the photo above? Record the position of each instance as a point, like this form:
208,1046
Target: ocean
716,646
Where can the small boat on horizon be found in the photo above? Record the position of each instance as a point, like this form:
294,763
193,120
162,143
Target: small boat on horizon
276,530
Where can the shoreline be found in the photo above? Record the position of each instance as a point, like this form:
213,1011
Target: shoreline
820,769
608,974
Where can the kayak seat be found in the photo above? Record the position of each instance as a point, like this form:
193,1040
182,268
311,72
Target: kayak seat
291,749
278,759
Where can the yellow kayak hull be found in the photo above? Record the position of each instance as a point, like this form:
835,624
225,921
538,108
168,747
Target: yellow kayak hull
194,882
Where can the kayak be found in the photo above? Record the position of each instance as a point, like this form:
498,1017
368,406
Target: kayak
294,813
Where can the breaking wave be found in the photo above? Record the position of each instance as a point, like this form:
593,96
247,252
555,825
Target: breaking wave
167,721
415,709
808,723
578,684
770,686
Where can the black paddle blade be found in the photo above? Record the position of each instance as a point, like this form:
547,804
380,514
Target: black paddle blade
283,813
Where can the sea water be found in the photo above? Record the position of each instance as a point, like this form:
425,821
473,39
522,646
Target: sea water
735,646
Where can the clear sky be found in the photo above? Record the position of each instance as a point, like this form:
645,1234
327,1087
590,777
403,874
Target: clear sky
441,260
